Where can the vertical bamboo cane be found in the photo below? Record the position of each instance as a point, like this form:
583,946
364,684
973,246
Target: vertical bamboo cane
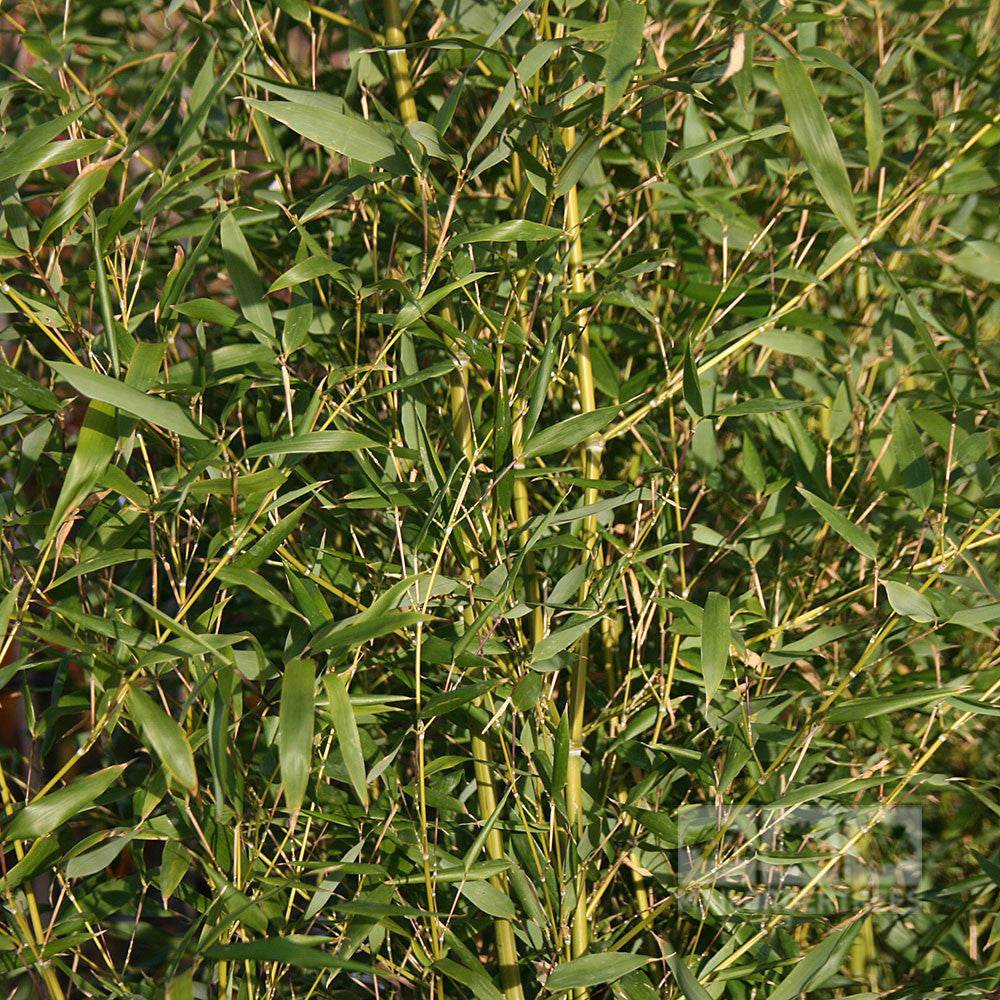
510,977
592,450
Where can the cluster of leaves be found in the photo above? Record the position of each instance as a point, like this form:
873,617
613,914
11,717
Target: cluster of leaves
500,500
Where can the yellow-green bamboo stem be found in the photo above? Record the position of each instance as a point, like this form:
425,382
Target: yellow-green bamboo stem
407,107
398,63
510,975
591,462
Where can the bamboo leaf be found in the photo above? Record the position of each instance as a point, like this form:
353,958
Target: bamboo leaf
475,978
353,137
874,130
529,65
908,602
692,384
687,981
91,862
244,275
306,270
153,409
295,729
72,202
508,232
346,727
165,736
715,640
815,139
621,53
562,638
285,951
489,899
593,970
51,812
856,537
869,708
568,433
27,390
763,405
313,443
915,470
95,447
818,965
654,126
28,151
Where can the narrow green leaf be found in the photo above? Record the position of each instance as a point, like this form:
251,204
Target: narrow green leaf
654,125
95,447
72,202
560,759
856,537
658,823
7,606
174,865
273,538
992,871
922,332
915,470
475,978
244,275
692,384
815,139
219,739
732,143
412,311
49,813
621,53
874,130
181,986
448,701
869,708
568,433
593,970
346,727
295,729
508,232
687,981
489,899
96,860
165,736
529,65
27,151
578,159
56,153
635,986
285,951
754,406
159,412
353,137
983,614
715,640
445,876
241,576
349,633
818,965
908,602
211,312
306,270
26,390
41,855
313,443
562,638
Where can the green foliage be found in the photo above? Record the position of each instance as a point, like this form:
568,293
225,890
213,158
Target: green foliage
500,500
